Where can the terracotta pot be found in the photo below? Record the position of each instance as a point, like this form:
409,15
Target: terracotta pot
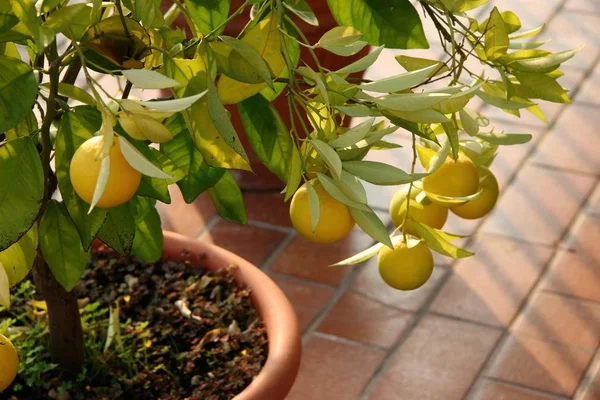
279,372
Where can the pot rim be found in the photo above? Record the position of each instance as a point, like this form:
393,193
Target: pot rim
277,376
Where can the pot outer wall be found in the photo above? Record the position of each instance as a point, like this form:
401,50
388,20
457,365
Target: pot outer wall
262,179
285,347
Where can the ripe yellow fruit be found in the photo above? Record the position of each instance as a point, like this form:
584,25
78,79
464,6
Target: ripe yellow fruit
486,201
422,209
405,268
335,222
9,362
123,179
453,179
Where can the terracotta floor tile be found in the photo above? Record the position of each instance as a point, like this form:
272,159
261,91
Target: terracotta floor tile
369,282
439,360
561,319
572,29
573,141
583,237
308,300
551,367
539,205
490,286
490,390
574,275
249,242
588,93
267,207
334,370
187,219
593,206
583,5
309,260
592,390
358,318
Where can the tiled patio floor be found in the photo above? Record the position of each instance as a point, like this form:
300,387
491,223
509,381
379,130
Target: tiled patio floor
518,321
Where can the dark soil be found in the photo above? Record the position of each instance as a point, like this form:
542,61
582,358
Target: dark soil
184,334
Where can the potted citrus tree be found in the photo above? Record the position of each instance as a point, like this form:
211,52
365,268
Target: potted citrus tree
81,166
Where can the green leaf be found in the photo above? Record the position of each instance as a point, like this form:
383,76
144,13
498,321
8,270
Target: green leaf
198,175
21,189
268,134
435,240
25,127
379,173
501,102
350,184
4,288
17,82
523,55
147,79
339,36
77,126
302,10
402,81
468,119
436,161
357,110
370,223
353,135
228,200
372,252
118,230
526,34
496,36
540,86
416,63
253,58
407,102
61,246
75,93
315,207
452,134
458,100
505,139
174,105
422,116
220,118
394,24
363,63
295,175
148,239
526,45
546,64
72,21
335,190
18,259
329,156
512,21
208,14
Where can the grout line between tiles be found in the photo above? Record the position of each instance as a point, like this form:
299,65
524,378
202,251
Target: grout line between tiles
340,339
528,389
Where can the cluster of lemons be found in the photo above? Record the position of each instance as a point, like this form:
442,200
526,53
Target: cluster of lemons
410,264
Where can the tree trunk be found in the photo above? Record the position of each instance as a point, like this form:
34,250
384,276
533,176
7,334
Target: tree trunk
64,321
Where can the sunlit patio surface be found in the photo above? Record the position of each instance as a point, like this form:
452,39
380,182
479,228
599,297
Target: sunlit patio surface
518,321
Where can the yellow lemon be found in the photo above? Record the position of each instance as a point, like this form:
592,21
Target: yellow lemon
9,362
422,209
123,179
405,268
453,179
486,201
335,222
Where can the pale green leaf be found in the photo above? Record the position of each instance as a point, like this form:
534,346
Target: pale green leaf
380,173
496,35
329,156
371,224
526,34
339,36
545,64
415,63
400,82
353,135
147,79
302,10
331,186
252,56
406,102
505,139
174,105
363,63
438,243
137,160
101,183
